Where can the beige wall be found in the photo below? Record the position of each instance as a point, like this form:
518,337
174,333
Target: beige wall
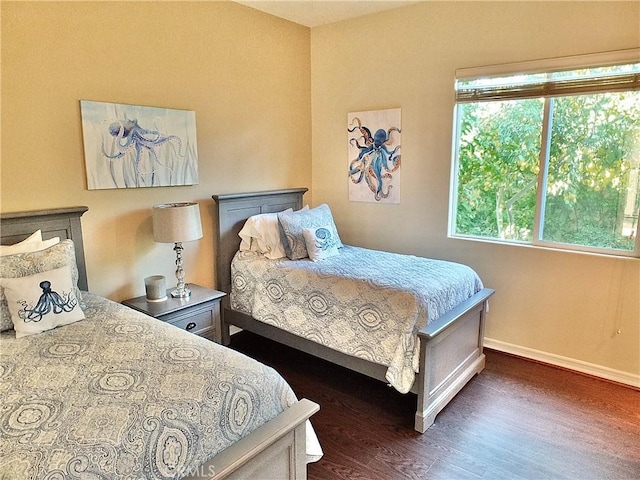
244,73
558,304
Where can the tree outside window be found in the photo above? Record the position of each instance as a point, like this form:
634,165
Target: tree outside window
559,170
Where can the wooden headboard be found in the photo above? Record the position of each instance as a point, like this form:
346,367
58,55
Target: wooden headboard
234,209
56,222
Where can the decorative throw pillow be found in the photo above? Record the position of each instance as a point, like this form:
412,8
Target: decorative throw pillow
293,223
261,233
24,264
320,243
42,301
32,243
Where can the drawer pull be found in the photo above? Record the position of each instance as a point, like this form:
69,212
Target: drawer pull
191,325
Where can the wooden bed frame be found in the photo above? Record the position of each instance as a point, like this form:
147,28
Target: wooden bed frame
450,348
275,450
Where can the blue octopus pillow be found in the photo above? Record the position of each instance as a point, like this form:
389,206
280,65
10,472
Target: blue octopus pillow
42,301
24,264
293,223
320,243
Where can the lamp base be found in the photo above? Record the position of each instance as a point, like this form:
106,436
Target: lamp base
185,293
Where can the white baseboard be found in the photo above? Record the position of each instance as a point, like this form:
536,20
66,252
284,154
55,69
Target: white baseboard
565,362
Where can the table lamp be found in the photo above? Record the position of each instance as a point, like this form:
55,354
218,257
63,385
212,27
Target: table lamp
177,223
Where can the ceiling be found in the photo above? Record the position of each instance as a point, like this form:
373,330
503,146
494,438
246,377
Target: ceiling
313,13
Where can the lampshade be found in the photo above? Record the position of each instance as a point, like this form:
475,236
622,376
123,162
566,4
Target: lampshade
176,222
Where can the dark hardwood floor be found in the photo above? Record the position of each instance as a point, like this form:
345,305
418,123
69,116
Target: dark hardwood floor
516,420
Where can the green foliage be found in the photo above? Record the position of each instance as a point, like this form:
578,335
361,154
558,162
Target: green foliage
498,168
591,195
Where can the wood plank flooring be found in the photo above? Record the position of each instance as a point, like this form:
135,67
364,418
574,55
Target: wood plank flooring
516,420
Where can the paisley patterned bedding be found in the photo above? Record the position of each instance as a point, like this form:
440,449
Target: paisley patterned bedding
121,395
365,303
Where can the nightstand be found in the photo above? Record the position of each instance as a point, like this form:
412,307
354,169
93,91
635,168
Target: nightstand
198,314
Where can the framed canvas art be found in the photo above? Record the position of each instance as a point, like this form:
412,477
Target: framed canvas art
374,156
128,146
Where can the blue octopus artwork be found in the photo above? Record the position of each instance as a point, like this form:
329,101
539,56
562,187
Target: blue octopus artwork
129,146
131,137
48,302
375,162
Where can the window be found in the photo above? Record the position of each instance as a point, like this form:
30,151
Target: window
550,154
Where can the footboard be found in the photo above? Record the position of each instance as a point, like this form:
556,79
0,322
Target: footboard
275,450
450,355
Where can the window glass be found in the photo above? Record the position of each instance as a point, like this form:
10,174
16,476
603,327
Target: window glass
498,162
592,197
582,148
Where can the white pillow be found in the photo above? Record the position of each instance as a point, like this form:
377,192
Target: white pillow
32,243
261,233
24,264
42,301
34,237
320,243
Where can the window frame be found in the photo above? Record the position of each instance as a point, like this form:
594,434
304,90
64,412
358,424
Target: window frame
604,59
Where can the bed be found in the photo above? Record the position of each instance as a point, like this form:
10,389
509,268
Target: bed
119,394
449,346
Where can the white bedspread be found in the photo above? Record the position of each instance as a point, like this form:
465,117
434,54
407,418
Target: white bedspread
365,303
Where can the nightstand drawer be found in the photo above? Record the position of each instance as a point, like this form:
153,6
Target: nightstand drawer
193,321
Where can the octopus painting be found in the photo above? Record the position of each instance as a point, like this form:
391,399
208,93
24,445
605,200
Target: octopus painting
143,144
128,146
378,155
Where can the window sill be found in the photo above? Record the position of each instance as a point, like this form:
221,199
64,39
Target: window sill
543,247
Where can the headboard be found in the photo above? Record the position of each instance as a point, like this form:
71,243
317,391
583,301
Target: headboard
233,209
56,222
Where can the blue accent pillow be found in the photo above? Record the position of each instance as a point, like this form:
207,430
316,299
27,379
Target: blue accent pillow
23,264
320,243
42,301
292,224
